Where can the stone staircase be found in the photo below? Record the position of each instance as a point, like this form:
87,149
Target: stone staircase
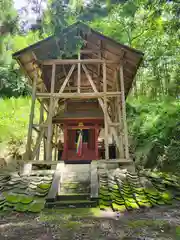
75,188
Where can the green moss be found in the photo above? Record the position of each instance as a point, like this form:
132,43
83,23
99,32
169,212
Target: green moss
44,186
117,207
36,206
12,197
20,207
26,199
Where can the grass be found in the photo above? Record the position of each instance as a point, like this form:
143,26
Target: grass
14,118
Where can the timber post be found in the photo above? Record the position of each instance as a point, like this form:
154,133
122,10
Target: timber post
125,133
31,118
105,114
50,115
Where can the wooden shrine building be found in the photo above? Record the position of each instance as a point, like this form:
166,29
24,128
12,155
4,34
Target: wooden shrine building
81,97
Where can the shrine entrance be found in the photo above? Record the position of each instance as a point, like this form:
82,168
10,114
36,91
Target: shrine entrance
82,144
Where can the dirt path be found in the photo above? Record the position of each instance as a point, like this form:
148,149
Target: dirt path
158,223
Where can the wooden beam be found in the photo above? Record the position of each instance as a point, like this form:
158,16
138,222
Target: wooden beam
119,118
122,161
40,122
42,162
106,137
31,117
56,138
38,131
55,183
79,75
38,141
50,115
124,113
41,102
84,51
78,95
114,124
75,61
67,79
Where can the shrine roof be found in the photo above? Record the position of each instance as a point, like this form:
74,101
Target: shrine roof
51,47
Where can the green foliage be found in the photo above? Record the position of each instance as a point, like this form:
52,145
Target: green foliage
8,17
155,130
14,117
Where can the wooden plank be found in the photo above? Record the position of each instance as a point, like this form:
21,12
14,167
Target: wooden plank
94,180
55,183
90,51
44,162
75,61
50,115
122,161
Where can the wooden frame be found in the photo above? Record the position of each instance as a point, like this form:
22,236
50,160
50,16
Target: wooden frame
111,102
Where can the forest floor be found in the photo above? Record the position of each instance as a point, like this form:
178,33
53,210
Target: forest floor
156,223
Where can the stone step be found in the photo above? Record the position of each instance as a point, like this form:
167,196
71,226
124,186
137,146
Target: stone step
74,190
74,187
72,204
73,197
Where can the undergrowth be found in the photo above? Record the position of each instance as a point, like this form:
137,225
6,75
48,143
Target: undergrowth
155,130
14,118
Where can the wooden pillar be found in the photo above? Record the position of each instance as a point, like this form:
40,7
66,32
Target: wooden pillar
31,117
56,142
124,113
79,75
96,141
119,119
50,115
65,142
44,144
105,114
40,122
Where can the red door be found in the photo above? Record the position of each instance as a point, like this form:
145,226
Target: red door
88,151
